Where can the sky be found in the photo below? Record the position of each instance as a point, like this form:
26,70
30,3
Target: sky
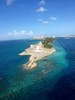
21,19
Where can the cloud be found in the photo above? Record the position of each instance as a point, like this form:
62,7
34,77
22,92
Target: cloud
47,20
53,18
39,20
23,32
9,2
43,21
30,32
42,2
9,34
16,33
20,34
41,9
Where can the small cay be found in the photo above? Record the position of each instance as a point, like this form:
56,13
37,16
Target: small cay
38,52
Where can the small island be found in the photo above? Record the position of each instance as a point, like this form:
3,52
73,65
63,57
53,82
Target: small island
38,51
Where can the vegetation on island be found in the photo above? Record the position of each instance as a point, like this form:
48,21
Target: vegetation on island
47,42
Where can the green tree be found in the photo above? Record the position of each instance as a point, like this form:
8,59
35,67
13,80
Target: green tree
47,42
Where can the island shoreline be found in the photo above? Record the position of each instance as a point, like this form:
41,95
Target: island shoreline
37,52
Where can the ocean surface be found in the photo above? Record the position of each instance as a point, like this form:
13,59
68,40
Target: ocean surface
52,79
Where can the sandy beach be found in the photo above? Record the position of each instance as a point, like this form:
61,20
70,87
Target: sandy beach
36,52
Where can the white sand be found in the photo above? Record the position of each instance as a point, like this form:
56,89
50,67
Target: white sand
36,55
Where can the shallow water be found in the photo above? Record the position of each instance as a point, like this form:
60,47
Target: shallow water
41,83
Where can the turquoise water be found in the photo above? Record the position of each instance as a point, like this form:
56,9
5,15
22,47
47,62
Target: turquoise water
16,83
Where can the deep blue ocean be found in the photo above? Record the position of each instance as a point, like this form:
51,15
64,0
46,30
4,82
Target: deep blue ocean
52,79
